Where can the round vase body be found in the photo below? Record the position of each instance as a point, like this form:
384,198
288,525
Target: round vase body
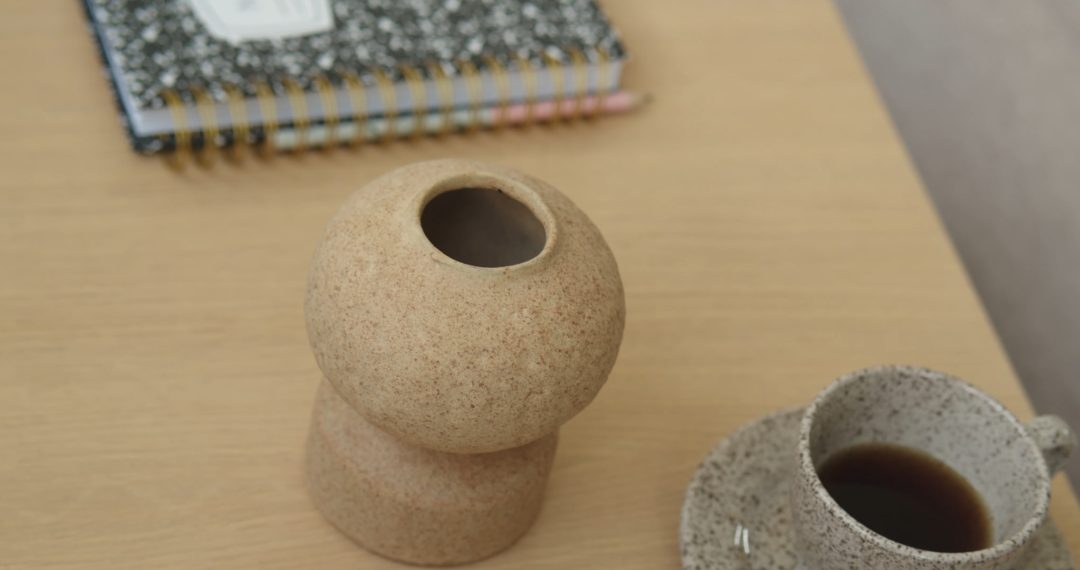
464,307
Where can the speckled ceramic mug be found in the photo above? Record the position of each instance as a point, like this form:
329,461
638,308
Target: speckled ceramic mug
1007,462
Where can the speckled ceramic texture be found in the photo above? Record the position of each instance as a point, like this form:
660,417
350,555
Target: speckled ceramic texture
737,513
416,505
938,414
451,356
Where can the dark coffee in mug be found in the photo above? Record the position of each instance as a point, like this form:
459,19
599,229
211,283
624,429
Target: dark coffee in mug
908,496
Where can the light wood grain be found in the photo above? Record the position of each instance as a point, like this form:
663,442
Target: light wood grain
155,379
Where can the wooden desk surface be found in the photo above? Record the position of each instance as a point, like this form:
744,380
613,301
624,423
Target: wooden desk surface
155,379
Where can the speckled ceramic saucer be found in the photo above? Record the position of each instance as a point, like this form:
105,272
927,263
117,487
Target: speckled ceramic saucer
736,514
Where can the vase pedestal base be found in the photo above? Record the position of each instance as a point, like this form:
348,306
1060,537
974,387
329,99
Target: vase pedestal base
416,505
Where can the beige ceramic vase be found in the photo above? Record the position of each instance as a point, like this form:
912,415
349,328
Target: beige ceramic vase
460,313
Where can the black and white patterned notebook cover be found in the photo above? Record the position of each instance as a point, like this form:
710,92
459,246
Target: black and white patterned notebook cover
162,44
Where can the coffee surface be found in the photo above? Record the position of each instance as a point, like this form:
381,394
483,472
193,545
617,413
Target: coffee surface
908,496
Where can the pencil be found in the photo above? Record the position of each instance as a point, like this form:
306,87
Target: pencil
376,128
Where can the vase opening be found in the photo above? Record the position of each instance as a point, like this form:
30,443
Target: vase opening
482,227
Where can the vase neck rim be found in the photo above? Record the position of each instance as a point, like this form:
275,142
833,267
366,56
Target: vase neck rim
511,189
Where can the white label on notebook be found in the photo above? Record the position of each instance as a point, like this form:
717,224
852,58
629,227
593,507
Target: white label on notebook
240,20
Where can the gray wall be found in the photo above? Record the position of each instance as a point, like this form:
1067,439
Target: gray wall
986,96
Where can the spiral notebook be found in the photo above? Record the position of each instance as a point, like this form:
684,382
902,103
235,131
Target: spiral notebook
193,74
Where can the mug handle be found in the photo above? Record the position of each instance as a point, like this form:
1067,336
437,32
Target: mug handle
1054,438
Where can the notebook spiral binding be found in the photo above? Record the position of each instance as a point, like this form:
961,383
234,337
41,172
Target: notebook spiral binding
246,130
